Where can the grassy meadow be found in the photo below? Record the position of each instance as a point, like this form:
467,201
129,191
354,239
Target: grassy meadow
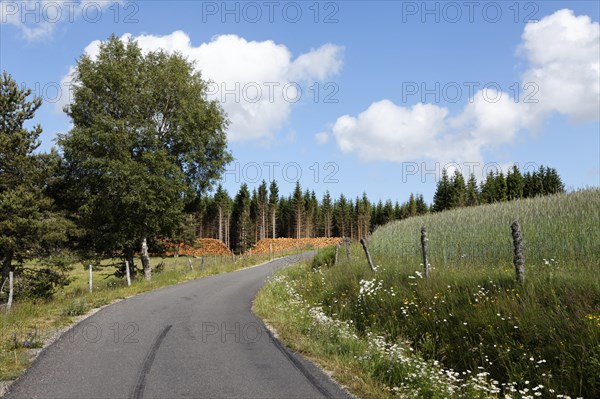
470,330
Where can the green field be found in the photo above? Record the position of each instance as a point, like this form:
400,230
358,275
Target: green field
470,330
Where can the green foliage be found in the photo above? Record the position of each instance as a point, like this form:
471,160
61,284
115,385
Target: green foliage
442,199
240,218
325,258
145,143
30,225
77,307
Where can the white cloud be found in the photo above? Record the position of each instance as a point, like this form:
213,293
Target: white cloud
322,137
563,53
254,81
37,19
386,131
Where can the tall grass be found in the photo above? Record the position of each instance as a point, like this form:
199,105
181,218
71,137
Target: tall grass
562,226
541,338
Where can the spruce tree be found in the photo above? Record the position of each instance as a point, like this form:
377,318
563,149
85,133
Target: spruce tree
241,226
472,193
459,190
273,205
514,183
442,196
31,226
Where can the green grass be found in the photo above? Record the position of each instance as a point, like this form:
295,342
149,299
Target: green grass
30,323
470,316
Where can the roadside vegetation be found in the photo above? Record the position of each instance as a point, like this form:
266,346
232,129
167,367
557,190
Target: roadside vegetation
469,330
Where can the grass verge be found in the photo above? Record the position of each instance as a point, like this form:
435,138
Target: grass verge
468,331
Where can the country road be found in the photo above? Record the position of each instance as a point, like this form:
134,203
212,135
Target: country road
198,339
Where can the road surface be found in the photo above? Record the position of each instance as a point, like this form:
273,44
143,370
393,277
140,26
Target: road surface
197,339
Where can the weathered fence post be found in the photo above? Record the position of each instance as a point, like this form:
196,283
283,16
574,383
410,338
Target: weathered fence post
10,291
127,274
519,259
364,245
270,251
190,264
202,262
424,250
337,251
347,244
90,267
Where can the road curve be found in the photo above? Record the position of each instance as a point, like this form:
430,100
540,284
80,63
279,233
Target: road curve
197,339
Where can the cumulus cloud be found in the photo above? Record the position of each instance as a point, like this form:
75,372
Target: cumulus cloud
257,82
563,55
563,51
386,131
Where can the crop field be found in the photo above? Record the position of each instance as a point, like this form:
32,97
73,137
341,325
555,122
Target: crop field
470,329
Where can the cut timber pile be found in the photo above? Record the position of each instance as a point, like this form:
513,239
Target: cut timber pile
203,246
287,244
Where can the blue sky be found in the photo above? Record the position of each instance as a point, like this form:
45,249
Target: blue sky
390,91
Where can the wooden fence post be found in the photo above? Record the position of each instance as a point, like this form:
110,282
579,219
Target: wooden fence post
364,245
271,251
202,263
190,264
127,274
347,244
424,250
90,267
518,259
10,291
337,251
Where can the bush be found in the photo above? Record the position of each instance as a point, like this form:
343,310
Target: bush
76,307
324,258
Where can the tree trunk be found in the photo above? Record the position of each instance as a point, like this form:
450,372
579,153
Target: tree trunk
129,258
6,266
220,224
273,216
264,223
145,259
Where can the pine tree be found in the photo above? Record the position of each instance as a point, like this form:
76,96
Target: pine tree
488,189
472,193
514,183
341,217
365,215
263,210
412,205
240,220
273,205
327,212
223,205
422,207
31,226
501,188
298,204
442,196
388,212
459,190
552,182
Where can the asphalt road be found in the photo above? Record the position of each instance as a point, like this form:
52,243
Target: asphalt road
198,339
